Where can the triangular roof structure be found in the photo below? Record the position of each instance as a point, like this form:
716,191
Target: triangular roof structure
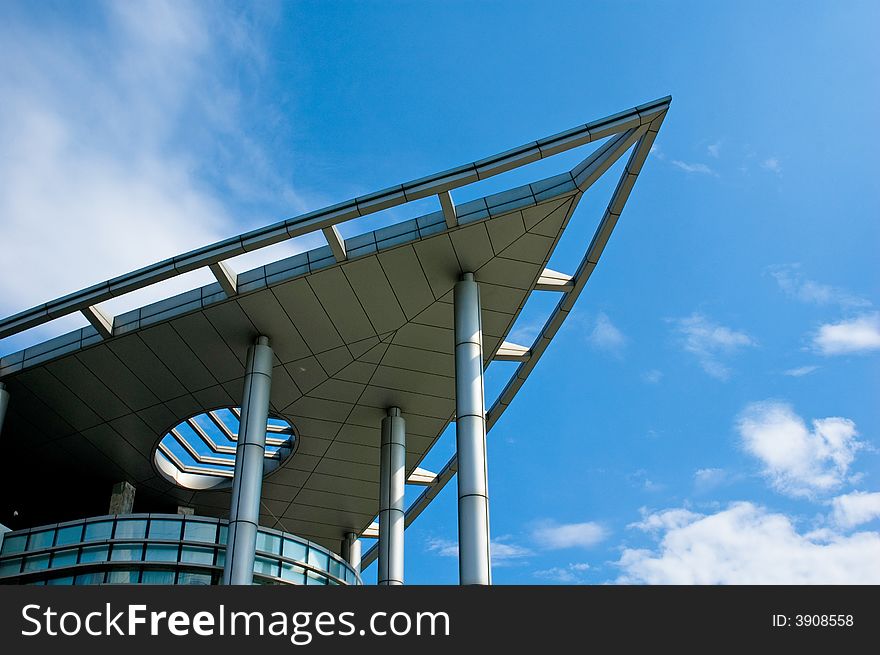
357,326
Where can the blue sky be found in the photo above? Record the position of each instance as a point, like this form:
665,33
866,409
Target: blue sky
708,414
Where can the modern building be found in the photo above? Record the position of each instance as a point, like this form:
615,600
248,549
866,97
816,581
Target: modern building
256,429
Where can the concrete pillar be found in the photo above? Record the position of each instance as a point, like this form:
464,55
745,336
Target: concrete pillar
474,563
4,403
122,498
247,483
392,484
351,551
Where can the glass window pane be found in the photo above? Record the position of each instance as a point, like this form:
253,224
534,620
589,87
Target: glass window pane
10,567
197,555
161,553
313,578
130,529
42,539
294,550
221,557
127,553
64,557
36,562
165,529
318,559
269,543
335,568
122,577
93,554
293,573
188,577
266,566
90,578
98,531
157,577
200,531
224,529
72,534
66,580
14,544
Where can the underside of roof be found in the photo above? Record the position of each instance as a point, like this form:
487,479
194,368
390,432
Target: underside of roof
356,327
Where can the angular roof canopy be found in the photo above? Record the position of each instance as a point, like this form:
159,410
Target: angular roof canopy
356,326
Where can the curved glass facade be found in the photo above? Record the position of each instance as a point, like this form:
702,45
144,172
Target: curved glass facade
158,549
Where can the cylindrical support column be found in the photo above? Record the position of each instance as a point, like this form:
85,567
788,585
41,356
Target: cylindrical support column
247,483
351,551
392,485
474,563
4,403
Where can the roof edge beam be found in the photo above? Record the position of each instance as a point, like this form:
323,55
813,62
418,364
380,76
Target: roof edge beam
337,244
421,477
551,280
99,320
448,207
512,352
227,278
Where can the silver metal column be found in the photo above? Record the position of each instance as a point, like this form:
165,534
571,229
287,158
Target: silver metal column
247,484
4,403
474,563
392,484
351,551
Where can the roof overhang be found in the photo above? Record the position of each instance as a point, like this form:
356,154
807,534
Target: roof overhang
357,326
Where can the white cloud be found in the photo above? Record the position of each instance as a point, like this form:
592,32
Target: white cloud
669,519
502,550
854,336
746,544
692,168
800,371
653,376
605,335
571,574
772,164
115,137
710,343
557,536
443,547
798,461
856,508
708,478
792,282
714,149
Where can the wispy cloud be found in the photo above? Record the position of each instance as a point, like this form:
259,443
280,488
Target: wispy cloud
710,343
652,376
606,336
747,544
797,460
792,282
695,167
708,478
503,550
855,336
571,574
800,371
557,536
714,149
772,164
116,134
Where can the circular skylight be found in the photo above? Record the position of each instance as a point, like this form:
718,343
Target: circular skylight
199,452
